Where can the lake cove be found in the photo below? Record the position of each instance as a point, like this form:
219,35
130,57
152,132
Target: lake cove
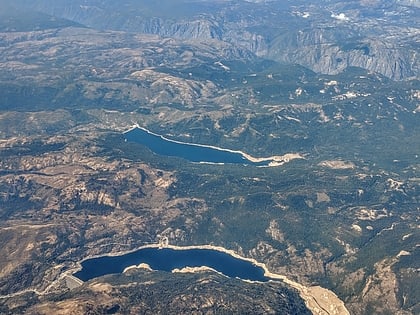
170,259
189,151
173,258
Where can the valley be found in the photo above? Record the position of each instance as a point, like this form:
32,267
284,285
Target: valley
342,216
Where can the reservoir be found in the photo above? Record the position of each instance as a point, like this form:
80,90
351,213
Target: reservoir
168,259
189,151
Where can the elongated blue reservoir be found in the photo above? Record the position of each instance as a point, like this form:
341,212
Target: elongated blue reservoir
189,151
167,259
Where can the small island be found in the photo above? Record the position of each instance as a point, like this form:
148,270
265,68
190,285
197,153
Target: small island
178,259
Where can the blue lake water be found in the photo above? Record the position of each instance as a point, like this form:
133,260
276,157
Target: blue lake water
167,259
188,151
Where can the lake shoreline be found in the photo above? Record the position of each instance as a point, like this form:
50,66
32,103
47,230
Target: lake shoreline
275,160
318,299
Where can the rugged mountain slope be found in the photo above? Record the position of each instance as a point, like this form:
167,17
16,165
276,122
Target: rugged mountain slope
344,217
326,36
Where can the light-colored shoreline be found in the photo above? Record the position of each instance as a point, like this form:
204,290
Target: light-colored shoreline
276,160
139,266
318,300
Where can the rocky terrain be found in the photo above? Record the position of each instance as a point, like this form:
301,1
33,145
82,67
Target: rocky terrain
186,294
345,217
325,36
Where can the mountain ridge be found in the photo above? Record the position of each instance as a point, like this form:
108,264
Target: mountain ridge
304,34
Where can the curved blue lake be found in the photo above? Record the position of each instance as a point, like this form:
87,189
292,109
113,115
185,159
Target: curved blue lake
188,151
167,259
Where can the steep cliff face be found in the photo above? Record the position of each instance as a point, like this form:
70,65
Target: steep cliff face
139,18
321,51
71,187
378,36
200,28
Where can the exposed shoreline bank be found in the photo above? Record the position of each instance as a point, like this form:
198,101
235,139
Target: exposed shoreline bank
275,160
318,300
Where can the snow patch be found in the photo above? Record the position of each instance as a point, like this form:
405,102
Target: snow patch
340,17
224,67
